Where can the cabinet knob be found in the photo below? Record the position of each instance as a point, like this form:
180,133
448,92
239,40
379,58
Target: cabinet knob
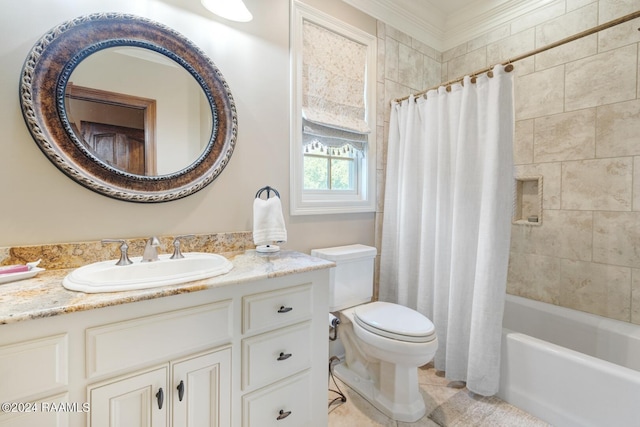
284,356
160,397
284,309
283,415
180,390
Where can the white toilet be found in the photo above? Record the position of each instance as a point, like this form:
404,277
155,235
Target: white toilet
384,343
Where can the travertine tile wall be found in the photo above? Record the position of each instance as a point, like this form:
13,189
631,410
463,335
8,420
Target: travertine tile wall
577,125
405,66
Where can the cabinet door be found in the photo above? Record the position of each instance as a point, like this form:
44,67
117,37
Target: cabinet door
201,390
134,401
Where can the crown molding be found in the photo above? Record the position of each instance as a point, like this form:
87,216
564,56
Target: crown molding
482,16
406,17
426,22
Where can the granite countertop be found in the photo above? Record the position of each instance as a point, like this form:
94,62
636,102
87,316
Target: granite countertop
44,295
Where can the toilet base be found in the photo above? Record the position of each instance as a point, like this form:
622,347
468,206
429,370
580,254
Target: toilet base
410,410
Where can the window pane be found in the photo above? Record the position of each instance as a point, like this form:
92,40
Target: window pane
316,173
341,174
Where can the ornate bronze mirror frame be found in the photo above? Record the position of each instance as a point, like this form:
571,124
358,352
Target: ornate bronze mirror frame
43,85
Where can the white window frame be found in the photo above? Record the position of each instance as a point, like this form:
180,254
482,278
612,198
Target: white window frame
310,202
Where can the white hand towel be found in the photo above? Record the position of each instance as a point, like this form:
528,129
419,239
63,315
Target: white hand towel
268,221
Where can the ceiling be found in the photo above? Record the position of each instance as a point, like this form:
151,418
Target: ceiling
443,24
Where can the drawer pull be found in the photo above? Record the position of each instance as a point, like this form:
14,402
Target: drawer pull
284,356
284,309
160,397
180,390
283,415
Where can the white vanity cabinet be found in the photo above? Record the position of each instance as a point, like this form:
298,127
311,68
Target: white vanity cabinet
34,375
277,342
195,391
251,353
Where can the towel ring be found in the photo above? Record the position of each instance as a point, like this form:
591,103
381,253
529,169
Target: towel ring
268,190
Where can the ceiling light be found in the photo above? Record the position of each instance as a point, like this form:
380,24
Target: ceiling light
234,10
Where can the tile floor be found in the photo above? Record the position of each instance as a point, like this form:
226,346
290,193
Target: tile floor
447,405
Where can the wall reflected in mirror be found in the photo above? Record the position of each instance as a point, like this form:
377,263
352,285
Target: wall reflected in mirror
138,111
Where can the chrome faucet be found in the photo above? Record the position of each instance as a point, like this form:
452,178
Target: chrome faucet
177,253
124,256
151,250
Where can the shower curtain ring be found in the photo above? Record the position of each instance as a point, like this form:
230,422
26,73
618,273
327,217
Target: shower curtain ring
509,67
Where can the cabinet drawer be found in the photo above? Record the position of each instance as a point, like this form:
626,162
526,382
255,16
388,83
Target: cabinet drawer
268,310
33,367
289,400
274,355
139,342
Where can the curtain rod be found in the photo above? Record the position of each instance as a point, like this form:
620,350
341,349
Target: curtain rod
508,62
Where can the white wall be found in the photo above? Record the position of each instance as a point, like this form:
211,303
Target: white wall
39,204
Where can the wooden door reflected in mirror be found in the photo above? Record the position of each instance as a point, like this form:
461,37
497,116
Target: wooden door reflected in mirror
114,126
118,146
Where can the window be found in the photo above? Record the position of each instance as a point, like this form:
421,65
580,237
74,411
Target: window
330,169
333,112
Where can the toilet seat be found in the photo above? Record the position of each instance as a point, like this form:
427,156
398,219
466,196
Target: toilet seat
394,321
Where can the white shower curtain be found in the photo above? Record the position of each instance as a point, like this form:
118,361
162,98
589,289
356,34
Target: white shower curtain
447,220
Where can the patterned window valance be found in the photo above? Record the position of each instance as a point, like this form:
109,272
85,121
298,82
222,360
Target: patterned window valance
314,135
333,77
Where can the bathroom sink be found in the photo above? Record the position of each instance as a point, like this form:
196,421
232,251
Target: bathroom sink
106,276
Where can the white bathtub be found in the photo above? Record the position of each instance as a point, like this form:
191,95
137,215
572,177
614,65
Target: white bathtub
570,368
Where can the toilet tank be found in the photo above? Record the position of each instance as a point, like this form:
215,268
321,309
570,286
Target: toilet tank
351,281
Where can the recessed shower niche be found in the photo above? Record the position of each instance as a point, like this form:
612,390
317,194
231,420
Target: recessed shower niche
527,207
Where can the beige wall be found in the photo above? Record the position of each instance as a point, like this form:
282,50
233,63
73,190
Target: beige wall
577,109
577,125
39,204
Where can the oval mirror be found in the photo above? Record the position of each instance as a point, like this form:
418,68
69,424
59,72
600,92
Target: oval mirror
128,108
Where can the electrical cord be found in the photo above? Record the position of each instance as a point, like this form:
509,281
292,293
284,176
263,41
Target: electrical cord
341,397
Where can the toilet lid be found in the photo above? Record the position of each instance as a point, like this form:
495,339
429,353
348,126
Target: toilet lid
394,321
